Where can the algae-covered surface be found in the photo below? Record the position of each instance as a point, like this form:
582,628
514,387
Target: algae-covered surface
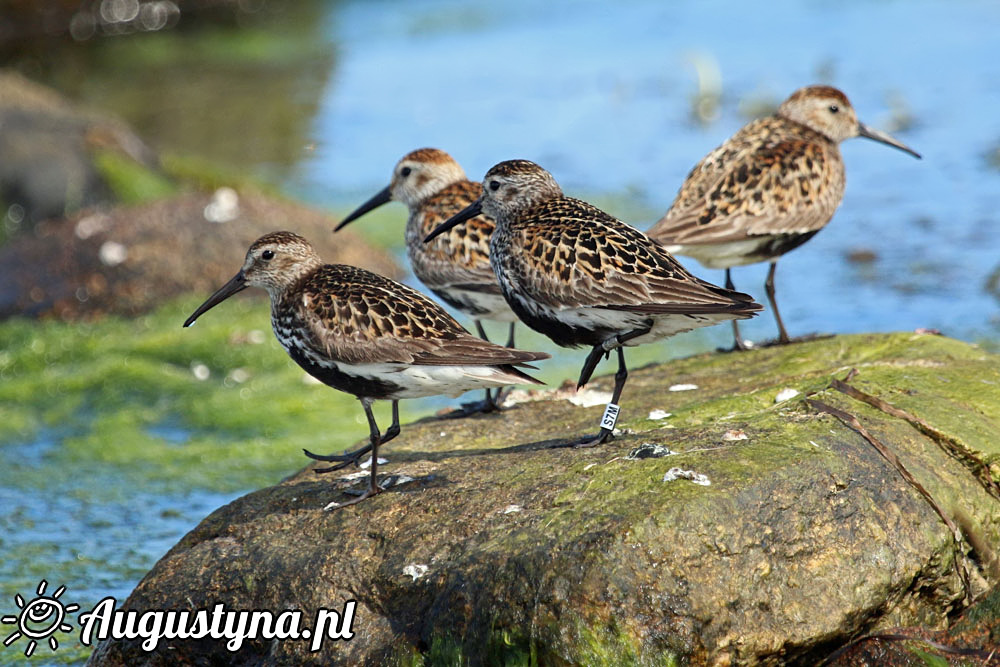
497,544
118,436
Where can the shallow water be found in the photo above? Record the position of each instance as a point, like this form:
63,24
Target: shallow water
602,96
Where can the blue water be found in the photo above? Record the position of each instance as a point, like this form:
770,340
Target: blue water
601,95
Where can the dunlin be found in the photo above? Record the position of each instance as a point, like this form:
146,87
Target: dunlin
456,266
768,189
582,277
366,335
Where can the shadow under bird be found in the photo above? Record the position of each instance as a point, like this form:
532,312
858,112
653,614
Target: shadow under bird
770,188
581,277
366,335
456,266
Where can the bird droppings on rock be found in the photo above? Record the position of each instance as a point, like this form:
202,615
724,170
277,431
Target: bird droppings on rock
415,570
786,394
658,414
696,477
735,434
682,387
649,450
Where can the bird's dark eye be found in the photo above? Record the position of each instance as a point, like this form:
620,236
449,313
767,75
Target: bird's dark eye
494,185
405,171
267,254
834,108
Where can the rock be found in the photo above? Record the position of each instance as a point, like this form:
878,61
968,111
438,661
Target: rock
58,158
128,260
806,537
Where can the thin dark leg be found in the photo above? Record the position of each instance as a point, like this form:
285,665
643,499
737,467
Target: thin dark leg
393,430
769,288
497,398
738,343
590,364
375,438
489,403
354,458
620,377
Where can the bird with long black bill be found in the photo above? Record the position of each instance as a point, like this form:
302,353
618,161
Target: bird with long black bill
770,188
456,266
366,335
581,277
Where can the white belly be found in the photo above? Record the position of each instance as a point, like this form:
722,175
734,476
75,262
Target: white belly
724,255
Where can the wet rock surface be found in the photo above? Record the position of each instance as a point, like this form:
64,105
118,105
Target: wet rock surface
127,260
498,548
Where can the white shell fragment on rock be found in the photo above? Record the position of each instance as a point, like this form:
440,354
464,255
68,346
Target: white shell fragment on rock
696,477
786,394
588,398
415,570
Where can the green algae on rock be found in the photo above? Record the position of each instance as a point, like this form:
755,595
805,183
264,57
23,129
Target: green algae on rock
502,546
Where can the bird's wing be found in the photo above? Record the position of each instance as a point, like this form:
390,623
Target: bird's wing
355,316
569,254
756,185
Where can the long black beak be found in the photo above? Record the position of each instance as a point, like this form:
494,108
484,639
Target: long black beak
470,211
237,283
885,138
384,196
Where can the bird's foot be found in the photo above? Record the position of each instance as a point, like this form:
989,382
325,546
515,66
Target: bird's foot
346,459
590,441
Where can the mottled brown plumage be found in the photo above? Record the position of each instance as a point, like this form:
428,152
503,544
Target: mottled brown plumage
582,277
456,266
366,335
770,188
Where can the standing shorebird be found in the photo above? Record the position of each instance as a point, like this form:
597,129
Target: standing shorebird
582,277
768,189
456,266
366,335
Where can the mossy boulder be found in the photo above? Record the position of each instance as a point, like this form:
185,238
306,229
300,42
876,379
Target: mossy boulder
498,548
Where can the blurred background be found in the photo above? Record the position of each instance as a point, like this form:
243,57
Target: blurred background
145,143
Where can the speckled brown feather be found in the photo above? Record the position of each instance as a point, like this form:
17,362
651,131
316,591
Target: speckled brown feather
773,177
460,257
353,316
565,253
